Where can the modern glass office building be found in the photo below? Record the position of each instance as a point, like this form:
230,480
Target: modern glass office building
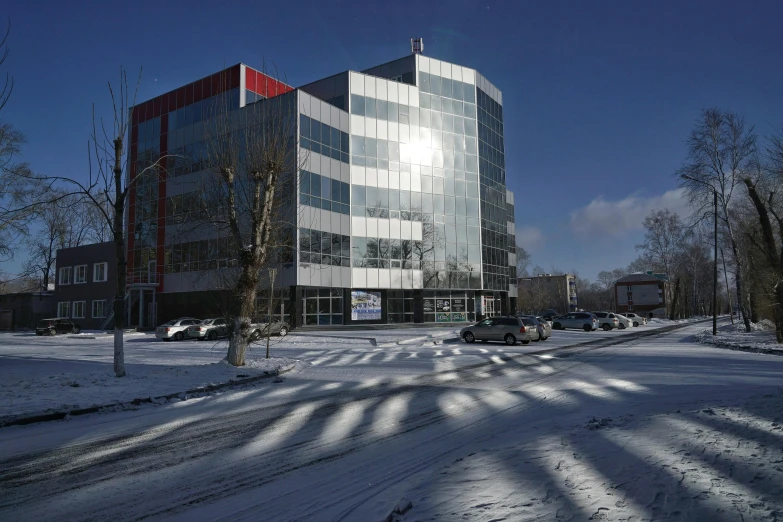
403,213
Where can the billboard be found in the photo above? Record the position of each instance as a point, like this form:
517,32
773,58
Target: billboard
365,306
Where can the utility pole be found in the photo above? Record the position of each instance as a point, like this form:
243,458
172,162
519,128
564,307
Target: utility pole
715,269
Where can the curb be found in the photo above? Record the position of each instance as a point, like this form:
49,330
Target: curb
59,415
740,348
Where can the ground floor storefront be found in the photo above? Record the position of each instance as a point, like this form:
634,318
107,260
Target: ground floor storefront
314,306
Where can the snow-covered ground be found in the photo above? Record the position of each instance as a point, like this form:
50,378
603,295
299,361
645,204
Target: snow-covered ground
761,338
654,428
46,374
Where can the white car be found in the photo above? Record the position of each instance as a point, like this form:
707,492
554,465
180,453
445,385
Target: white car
175,329
624,322
637,320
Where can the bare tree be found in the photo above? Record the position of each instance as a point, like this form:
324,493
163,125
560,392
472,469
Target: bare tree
108,188
8,85
664,244
523,261
253,163
720,154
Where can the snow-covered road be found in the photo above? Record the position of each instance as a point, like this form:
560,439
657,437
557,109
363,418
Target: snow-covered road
650,428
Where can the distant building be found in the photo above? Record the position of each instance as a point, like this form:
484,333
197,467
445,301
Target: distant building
86,284
547,291
641,293
22,310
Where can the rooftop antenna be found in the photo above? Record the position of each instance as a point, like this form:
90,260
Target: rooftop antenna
417,45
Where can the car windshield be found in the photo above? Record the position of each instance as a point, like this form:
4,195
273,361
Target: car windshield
46,322
170,323
207,321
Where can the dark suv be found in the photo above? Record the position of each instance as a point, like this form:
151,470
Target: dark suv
55,326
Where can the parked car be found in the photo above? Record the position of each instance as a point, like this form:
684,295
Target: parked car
549,315
175,329
544,327
607,320
578,320
208,329
507,329
625,322
57,325
636,319
274,327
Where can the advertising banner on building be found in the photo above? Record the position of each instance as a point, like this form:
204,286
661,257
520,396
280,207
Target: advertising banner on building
442,305
429,306
457,305
365,306
442,318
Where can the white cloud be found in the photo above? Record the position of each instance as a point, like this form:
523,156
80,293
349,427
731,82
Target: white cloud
617,218
529,237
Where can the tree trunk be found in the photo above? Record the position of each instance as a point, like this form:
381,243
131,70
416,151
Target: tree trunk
778,311
119,245
244,306
675,296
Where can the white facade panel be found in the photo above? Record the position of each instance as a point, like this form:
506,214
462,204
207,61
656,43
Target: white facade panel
358,226
372,227
369,86
394,131
359,277
394,229
383,130
403,94
396,278
372,277
418,279
370,127
382,89
416,231
383,178
383,228
357,83
393,93
413,96
357,125
384,278
371,178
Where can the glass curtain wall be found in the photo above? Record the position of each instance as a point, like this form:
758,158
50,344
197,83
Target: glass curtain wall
437,142
494,229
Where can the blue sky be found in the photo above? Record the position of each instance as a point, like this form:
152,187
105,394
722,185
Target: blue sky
598,96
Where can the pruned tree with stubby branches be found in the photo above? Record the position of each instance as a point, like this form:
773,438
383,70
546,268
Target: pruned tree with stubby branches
252,164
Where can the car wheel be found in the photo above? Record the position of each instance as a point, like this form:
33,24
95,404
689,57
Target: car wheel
212,335
622,327
76,330
469,337
510,339
37,333
167,339
606,327
52,332
557,326
635,324
588,328
178,336
544,338
525,342
255,336
283,331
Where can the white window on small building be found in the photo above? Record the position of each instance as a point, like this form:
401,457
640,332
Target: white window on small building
64,309
99,272
630,307
66,273
80,274
99,309
78,309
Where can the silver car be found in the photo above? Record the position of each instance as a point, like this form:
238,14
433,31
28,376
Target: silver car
607,320
578,320
637,319
544,327
506,329
267,327
209,329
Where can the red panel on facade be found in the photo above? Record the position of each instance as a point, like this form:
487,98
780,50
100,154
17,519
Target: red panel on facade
197,91
135,116
134,136
250,79
189,94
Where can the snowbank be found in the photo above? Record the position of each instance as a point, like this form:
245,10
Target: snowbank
21,395
761,338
